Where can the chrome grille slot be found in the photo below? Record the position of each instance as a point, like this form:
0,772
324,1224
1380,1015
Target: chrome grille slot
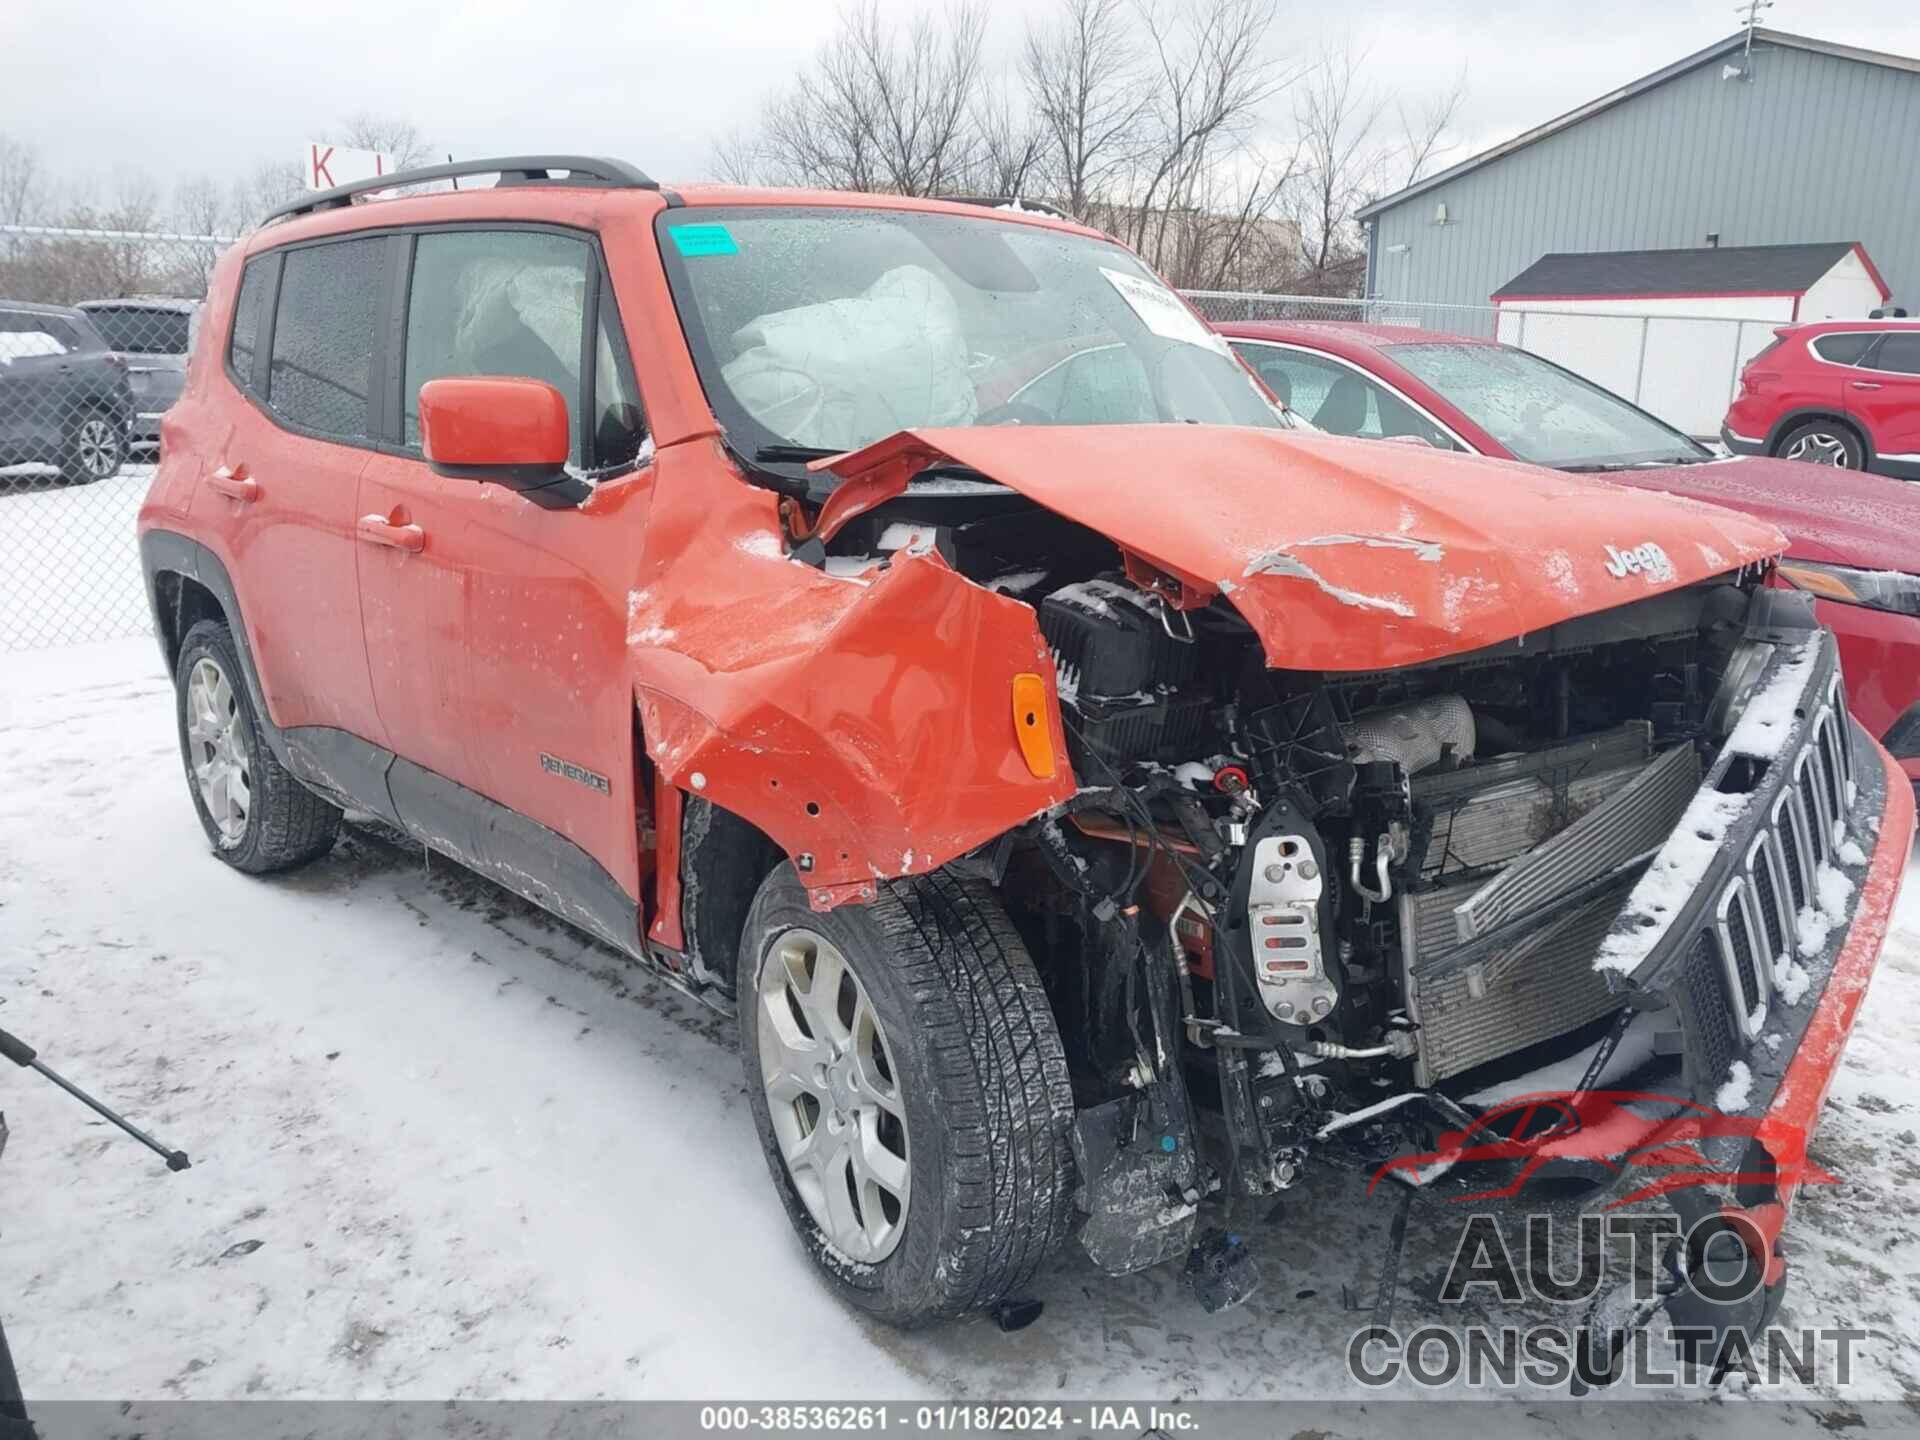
1764,866
1836,785
1813,806
1733,931
1793,849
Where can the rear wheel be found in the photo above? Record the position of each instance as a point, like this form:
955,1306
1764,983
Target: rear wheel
910,1091
257,816
96,448
1822,442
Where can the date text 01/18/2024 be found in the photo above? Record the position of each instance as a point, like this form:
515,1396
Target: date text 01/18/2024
979,1417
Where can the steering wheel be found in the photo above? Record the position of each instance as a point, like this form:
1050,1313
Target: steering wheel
1014,412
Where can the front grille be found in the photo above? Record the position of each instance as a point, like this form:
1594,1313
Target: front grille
1703,992
1754,930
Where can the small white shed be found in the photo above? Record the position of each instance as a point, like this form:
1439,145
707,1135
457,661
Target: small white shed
1671,329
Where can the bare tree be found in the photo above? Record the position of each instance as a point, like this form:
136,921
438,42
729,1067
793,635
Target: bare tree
1009,148
398,138
22,190
1424,130
1209,75
269,184
882,107
1084,87
1337,118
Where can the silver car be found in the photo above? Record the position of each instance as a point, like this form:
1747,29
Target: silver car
153,335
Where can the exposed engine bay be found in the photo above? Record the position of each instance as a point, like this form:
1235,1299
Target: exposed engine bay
1285,902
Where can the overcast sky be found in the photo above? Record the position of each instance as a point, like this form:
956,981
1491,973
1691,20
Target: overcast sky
217,85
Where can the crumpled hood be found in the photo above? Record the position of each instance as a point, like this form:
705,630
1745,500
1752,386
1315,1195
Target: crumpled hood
1342,554
1841,516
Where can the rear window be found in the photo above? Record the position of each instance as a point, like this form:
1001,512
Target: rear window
142,330
330,298
1842,349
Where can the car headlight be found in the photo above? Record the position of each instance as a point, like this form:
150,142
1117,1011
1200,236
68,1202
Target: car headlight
1876,589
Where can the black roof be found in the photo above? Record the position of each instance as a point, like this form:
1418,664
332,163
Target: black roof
1729,270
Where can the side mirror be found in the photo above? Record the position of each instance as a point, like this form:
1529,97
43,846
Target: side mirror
501,431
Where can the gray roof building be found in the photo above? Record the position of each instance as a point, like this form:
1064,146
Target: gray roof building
1788,154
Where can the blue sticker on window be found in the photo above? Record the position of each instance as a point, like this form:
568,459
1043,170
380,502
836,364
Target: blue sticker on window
704,240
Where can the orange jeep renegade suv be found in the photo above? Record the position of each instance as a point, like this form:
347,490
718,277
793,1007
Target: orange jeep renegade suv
907,625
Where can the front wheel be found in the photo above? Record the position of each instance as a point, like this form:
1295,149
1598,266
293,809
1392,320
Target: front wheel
257,816
1821,442
96,448
910,1090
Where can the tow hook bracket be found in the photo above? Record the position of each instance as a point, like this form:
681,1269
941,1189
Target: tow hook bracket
1221,1271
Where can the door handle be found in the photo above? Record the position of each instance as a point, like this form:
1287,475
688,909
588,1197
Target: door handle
376,530
234,482
1868,385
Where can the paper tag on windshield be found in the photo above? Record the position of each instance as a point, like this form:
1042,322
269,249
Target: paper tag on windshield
1161,311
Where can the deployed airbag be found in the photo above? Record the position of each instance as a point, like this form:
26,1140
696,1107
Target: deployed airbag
845,372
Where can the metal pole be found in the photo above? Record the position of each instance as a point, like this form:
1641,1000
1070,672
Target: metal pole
1640,365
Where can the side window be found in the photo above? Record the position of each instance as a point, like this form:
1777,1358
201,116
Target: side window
619,425
1899,352
246,316
330,299
1301,382
497,302
1840,349
24,336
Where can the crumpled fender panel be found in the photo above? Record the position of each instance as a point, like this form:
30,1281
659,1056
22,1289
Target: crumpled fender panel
1342,554
865,725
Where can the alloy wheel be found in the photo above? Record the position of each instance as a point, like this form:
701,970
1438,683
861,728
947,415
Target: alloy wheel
217,750
98,448
834,1096
1819,447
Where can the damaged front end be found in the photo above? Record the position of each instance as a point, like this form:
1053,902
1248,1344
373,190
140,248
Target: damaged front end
1390,807
1333,915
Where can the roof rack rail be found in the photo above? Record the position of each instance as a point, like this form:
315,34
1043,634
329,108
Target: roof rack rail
1009,202
512,170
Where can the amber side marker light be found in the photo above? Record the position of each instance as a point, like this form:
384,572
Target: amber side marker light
1030,724
1819,582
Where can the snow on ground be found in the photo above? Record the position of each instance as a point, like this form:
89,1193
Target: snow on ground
445,1146
71,567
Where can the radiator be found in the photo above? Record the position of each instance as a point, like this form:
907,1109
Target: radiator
1554,826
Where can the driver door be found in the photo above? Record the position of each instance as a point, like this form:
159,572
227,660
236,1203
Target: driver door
496,629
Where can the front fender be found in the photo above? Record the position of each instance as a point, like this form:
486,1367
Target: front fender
864,724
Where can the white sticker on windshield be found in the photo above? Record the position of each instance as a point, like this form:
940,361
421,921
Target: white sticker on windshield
1161,311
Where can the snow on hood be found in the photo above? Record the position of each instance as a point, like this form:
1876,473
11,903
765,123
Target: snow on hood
1342,554
1840,516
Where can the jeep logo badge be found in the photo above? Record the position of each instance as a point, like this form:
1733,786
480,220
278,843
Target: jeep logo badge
1647,559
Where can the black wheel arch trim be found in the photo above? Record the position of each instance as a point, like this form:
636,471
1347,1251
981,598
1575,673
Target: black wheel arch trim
1834,413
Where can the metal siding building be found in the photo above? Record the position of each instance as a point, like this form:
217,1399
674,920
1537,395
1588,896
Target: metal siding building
1822,142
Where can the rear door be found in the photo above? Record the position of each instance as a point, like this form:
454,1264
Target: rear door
497,642
1884,392
35,356
279,502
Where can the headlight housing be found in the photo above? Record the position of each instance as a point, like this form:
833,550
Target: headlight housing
1889,590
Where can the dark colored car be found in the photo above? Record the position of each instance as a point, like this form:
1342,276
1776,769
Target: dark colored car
1853,540
153,337
1843,393
64,397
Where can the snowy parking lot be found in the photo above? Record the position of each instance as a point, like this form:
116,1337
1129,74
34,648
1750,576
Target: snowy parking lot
446,1146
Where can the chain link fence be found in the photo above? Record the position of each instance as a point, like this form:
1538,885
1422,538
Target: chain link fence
95,328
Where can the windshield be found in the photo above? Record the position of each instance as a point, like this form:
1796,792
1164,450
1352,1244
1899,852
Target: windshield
1542,413
828,329
141,330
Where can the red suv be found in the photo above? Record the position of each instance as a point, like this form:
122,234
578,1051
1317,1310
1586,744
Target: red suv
881,617
1842,392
